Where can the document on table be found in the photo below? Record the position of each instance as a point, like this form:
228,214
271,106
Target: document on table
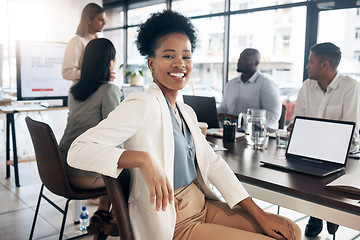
216,147
347,183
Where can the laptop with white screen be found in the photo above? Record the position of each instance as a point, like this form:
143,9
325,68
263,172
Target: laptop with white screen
316,146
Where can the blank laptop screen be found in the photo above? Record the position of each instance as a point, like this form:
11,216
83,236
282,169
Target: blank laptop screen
323,140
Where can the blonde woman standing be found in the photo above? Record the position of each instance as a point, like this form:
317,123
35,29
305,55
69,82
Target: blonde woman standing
92,21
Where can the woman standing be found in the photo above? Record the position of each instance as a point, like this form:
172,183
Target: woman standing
92,21
170,161
90,101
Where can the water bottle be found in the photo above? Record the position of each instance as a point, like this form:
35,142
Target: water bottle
84,218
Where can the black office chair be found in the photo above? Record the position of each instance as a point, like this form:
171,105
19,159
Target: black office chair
118,191
52,171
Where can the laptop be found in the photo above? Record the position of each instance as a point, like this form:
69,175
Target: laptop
316,146
205,109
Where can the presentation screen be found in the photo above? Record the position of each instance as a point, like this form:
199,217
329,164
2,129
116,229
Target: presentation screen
39,71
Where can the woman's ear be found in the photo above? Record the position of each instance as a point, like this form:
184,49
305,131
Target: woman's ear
150,61
112,63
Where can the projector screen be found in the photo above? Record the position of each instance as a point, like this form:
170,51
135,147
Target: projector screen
39,71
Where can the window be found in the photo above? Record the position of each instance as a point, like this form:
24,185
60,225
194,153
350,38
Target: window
117,38
247,4
357,56
207,74
139,15
198,7
279,39
357,33
342,22
114,17
15,28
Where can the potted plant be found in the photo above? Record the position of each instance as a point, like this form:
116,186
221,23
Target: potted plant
134,76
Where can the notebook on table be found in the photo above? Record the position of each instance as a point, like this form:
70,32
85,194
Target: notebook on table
205,109
316,146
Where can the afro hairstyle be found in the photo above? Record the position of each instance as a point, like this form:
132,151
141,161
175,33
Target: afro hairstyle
160,24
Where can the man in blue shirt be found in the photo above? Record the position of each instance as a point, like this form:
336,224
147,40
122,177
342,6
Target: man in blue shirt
251,89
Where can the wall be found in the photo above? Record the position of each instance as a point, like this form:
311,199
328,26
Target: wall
35,20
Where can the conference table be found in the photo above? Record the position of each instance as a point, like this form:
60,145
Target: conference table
296,191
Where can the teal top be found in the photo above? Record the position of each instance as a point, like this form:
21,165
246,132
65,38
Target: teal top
184,154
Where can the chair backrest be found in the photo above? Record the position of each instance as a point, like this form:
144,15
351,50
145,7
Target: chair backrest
48,158
282,117
118,193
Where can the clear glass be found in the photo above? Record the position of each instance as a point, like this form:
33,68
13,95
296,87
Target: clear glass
344,33
246,4
282,138
255,130
199,7
207,74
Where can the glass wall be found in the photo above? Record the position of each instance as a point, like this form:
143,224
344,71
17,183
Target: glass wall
344,32
207,74
279,39
13,28
248,4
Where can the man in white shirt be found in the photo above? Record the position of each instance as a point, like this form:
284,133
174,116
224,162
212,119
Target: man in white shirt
251,89
327,94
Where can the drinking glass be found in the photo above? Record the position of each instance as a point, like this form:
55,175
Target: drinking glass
255,130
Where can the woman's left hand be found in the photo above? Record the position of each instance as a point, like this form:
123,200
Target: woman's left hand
272,225
276,227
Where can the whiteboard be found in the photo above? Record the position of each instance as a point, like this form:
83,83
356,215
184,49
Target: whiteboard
39,70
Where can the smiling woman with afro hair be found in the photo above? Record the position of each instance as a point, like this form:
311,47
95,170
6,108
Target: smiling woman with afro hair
170,161
161,24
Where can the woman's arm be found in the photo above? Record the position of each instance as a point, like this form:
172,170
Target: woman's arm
159,186
72,58
273,225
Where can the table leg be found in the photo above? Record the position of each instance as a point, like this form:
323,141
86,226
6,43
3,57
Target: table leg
15,156
10,126
7,144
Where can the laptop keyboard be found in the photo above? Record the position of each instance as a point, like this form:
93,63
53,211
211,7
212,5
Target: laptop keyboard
308,163
303,166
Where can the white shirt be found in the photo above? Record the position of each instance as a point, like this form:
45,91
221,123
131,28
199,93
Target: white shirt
74,55
259,92
339,102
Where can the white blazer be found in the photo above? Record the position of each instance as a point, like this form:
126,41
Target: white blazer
143,122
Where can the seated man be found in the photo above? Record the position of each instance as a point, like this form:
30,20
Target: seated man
251,89
331,95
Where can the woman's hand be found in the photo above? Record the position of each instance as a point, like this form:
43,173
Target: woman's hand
272,225
158,184
160,189
276,227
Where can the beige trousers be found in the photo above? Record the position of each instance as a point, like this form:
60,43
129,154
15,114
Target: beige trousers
200,219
